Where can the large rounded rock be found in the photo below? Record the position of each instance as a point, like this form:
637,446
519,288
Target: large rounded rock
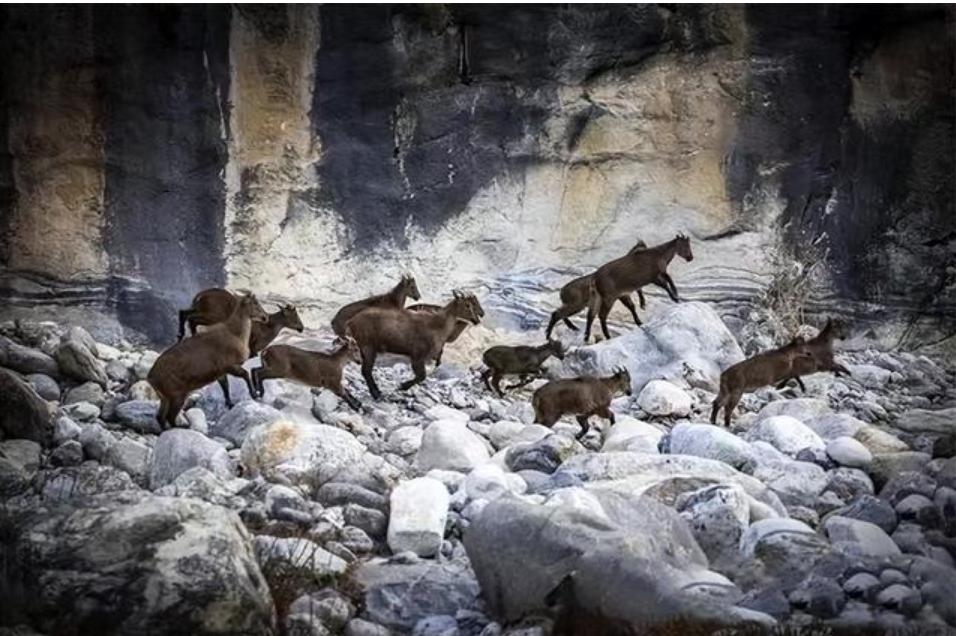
45,386
131,456
718,516
796,483
544,455
761,531
632,547
688,338
788,434
886,466
660,397
417,521
19,461
236,423
832,425
25,360
138,415
712,442
23,413
75,360
294,453
859,538
847,451
85,480
629,434
449,445
139,565
178,450
871,509
879,442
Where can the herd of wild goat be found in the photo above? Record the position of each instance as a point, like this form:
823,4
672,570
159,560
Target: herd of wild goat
236,328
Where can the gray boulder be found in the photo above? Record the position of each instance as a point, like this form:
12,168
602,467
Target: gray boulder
688,339
803,409
69,453
871,509
138,415
87,392
19,462
630,547
906,483
859,538
75,360
178,450
787,434
45,386
888,465
796,483
65,429
23,413
847,451
543,455
718,516
398,595
96,441
713,442
281,557
449,445
236,423
131,456
818,596
848,483
189,569
294,453
86,480
942,421
25,360
201,483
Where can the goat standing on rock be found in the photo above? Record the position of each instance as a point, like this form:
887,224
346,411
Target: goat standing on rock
624,275
582,397
460,326
763,369
521,360
575,296
195,362
420,335
821,349
312,368
394,299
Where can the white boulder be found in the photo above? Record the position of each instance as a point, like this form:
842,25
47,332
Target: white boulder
449,445
788,434
416,523
630,434
660,397
859,538
847,451
713,442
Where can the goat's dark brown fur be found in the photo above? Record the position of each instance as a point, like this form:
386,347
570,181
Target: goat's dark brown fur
624,275
393,299
420,335
821,350
763,369
312,368
583,397
521,360
460,326
576,294
195,362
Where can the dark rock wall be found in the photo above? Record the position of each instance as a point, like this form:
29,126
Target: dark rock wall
162,185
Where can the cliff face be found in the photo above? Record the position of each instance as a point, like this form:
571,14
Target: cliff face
314,153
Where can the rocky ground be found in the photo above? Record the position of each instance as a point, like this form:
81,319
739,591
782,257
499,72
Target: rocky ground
445,511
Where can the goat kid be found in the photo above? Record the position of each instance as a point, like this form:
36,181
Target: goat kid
195,362
312,368
460,326
821,349
521,360
629,273
582,397
763,369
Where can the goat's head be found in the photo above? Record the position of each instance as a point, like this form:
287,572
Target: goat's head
290,318
622,378
683,247
837,328
249,306
466,307
410,287
351,345
556,349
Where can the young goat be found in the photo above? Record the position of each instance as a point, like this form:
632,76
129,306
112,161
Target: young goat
312,368
523,361
215,305
821,350
763,369
582,397
628,273
208,356
460,326
394,299
575,296
420,335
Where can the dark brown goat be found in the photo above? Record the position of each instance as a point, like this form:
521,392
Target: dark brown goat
460,326
521,360
393,299
195,362
312,368
582,397
763,369
576,294
821,350
631,272
419,335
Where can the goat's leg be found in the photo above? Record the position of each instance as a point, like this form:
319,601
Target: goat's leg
496,383
640,297
350,399
259,375
592,309
183,317
729,408
484,378
175,406
161,411
551,323
607,414
526,378
240,372
193,324
438,357
626,300
368,361
669,286
800,382
418,366
783,382
224,383
583,421
719,402
602,314
838,369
